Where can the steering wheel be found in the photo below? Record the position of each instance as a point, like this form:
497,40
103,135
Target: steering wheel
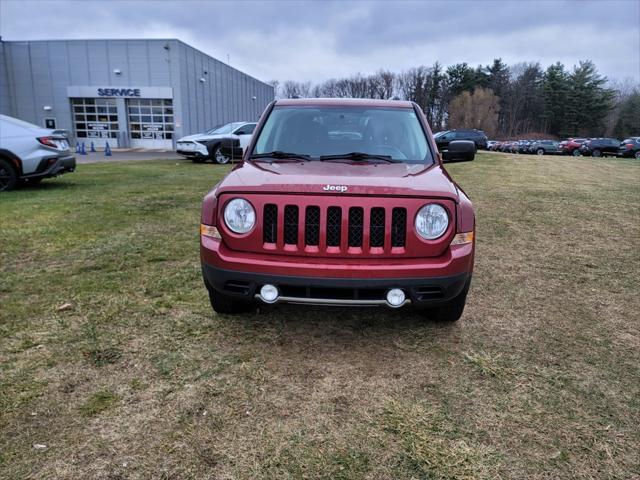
395,153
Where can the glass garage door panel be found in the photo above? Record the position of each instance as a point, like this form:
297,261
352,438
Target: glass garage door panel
95,120
150,122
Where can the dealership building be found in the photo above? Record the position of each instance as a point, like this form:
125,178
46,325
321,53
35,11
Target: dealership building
130,93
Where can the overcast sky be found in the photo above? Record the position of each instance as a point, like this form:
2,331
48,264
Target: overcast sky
315,41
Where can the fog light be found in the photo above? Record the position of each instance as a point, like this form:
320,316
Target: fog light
395,297
269,293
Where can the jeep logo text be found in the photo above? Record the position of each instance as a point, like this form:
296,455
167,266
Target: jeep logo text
335,188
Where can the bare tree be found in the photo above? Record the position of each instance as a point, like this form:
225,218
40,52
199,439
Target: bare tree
275,84
475,110
292,89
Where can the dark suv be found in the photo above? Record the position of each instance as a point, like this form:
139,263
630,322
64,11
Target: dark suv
598,147
629,147
476,136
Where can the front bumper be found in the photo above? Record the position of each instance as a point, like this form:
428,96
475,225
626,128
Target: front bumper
192,149
420,292
342,281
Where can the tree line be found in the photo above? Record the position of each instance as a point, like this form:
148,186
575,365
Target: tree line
504,101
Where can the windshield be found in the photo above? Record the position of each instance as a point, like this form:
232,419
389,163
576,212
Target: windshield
313,132
228,128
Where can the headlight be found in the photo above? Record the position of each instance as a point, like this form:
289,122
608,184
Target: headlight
239,215
432,221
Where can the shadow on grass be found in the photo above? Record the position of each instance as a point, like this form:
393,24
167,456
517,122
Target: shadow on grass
343,325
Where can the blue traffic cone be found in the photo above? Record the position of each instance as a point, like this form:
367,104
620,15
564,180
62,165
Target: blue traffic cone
107,150
77,148
82,150
93,148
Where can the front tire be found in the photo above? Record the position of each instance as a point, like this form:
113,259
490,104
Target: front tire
226,305
596,153
8,176
576,153
218,157
637,154
452,310
540,151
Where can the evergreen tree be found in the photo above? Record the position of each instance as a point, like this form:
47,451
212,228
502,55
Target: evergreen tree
555,95
498,82
461,77
589,101
628,123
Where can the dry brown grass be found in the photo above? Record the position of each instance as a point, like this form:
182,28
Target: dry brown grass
139,379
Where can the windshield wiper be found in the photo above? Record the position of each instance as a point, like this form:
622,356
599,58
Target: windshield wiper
278,154
358,156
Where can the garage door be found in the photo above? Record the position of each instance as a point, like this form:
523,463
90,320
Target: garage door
150,122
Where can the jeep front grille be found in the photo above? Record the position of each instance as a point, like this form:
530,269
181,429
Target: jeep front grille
357,230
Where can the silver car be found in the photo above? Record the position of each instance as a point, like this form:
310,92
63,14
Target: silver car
30,153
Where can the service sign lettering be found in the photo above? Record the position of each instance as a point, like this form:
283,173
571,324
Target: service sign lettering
119,92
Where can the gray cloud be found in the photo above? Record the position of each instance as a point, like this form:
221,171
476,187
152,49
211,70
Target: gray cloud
319,40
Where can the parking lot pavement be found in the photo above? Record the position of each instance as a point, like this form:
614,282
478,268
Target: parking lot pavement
126,156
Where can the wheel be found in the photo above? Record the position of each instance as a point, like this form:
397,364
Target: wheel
228,305
596,153
540,151
8,176
576,153
218,157
637,154
451,311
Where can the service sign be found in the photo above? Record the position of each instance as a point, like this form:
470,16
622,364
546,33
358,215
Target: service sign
114,91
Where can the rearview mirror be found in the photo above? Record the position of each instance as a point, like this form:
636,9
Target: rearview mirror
459,151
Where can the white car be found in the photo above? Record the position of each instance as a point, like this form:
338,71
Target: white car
30,153
232,137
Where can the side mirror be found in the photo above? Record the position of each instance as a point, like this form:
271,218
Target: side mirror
459,151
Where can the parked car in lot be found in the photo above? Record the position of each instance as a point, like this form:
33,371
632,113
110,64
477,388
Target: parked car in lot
491,144
312,216
545,147
31,153
629,147
571,146
211,145
476,136
599,147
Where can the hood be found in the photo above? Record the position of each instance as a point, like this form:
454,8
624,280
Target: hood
331,178
200,136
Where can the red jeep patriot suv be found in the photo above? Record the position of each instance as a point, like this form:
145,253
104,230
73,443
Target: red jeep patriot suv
340,202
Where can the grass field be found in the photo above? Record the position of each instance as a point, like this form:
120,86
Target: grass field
113,365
